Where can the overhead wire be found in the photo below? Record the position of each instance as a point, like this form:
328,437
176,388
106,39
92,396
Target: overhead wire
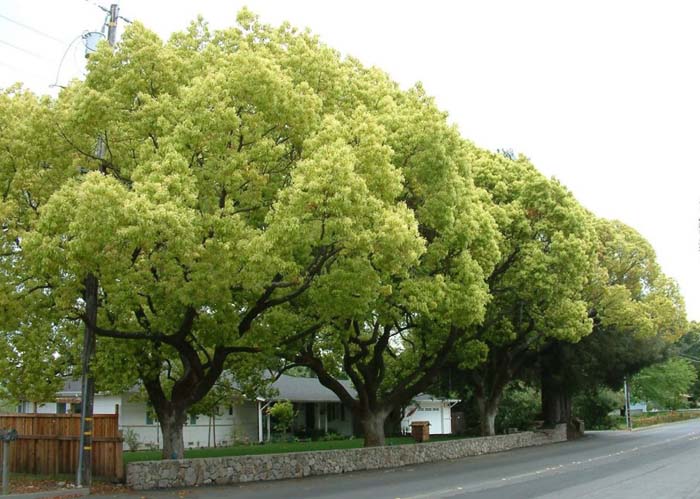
33,29
16,68
28,52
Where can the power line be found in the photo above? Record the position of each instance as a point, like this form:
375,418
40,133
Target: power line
17,68
30,28
28,52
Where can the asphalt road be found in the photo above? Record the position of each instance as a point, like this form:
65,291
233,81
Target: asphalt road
660,462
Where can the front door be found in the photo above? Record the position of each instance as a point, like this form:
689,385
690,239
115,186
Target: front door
310,413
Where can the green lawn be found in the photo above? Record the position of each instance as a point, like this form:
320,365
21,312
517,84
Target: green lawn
273,448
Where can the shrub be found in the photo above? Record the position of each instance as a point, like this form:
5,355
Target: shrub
518,408
595,406
131,439
283,413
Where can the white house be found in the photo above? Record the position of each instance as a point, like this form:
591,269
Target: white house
318,409
436,411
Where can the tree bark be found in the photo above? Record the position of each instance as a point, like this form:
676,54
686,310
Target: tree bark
556,402
171,425
556,392
488,410
372,423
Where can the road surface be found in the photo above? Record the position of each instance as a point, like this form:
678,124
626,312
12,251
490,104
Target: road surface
660,462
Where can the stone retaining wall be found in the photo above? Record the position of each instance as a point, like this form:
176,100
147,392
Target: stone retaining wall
236,469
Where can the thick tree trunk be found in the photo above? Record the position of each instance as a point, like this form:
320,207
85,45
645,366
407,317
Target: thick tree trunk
488,410
171,425
556,393
373,427
556,403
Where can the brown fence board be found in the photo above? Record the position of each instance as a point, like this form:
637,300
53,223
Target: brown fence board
47,444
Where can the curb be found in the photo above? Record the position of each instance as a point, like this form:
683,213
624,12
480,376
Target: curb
49,494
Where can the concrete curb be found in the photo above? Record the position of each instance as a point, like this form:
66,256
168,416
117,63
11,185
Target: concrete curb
48,494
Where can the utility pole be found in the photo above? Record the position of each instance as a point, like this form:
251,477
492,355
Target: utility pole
112,26
84,471
628,416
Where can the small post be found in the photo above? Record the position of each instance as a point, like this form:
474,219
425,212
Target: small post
628,416
6,436
5,467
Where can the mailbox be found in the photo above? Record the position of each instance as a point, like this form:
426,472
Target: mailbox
420,431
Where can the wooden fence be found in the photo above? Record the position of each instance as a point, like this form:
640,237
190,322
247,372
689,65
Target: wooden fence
47,444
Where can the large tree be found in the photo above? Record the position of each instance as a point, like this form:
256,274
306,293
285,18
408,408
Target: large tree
537,285
234,170
637,312
392,337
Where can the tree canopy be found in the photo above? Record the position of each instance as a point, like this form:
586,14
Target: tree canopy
239,168
234,200
546,259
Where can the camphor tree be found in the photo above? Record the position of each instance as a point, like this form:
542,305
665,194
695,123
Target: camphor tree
688,347
637,313
32,365
239,167
536,287
391,336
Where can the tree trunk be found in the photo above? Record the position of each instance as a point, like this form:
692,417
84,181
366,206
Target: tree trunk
556,403
556,393
171,425
373,428
488,409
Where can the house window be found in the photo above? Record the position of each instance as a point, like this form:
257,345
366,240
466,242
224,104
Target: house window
61,408
331,412
193,419
342,412
230,410
75,408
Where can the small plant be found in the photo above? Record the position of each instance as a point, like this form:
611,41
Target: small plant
131,438
283,412
330,436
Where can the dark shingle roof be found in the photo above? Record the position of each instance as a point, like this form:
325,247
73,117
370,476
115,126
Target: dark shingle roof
297,389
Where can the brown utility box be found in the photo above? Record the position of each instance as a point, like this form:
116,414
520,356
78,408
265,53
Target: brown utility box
420,431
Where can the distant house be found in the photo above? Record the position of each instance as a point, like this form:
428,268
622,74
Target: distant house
436,411
318,409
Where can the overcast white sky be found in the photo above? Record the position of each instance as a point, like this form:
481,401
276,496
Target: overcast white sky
603,95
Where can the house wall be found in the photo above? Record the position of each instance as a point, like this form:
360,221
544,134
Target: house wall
328,417
437,413
241,425
244,423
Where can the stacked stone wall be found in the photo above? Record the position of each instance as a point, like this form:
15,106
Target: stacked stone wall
238,469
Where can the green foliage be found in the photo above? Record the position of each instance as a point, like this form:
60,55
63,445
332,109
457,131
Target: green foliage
518,409
689,348
243,169
283,413
665,385
594,407
637,314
